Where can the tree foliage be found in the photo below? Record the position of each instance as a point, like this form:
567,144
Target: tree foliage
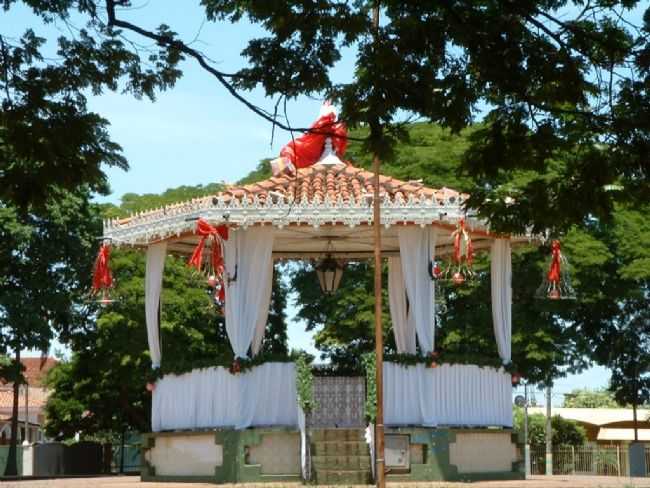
587,398
48,137
611,316
45,266
553,79
564,432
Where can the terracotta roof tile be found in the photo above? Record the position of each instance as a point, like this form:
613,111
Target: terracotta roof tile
318,182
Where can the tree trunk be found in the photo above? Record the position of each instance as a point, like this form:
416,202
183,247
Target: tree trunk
11,468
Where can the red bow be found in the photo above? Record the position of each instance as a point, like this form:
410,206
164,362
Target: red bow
459,235
554,271
218,235
102,277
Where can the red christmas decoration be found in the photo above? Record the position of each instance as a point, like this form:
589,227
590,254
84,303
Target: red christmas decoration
235,367
307,149
557,282
459,268
102,275
216,269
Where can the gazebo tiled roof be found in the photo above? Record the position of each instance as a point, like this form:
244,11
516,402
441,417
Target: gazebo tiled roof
346,183
319,195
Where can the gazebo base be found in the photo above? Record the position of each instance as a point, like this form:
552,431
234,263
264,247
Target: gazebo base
273,454
222,455
446,454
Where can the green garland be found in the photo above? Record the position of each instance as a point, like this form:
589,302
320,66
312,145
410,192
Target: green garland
370,366
240,365
305,384
406,359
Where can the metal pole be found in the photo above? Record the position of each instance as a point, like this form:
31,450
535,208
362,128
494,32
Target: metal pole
26,412
549,433
526,444
379,338
122,452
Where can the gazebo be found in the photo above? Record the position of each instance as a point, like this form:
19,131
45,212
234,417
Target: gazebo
452,421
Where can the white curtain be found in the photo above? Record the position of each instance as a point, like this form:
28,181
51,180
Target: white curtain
260,327
156,254
402,320
417,247
213,397
501,275
248,256
458,395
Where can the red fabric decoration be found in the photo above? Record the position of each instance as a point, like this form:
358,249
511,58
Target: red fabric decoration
554,271
459,235
306,149
102,276
218,234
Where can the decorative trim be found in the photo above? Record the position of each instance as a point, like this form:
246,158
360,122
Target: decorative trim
143,228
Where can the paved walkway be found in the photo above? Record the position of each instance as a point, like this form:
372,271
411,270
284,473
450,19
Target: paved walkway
534,482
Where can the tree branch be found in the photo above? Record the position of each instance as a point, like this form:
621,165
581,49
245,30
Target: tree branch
170,42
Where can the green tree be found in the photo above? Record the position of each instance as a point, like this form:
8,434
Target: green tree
49,140
588,398
611,317
45,264
564,432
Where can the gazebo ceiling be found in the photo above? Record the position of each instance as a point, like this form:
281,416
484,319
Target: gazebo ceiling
325,206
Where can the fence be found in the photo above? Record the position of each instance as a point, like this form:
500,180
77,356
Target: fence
586,460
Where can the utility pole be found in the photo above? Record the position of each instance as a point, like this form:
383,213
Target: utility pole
549,433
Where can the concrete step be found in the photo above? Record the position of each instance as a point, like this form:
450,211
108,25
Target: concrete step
342,477
337,434
361,462
339,448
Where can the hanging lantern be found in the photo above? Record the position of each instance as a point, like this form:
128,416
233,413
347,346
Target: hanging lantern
557,282
102,276
329,272
151,387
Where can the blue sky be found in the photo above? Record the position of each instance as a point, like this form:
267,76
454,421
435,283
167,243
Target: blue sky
196,133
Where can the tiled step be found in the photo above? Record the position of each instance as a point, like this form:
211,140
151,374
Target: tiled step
318,435
361,462
339,448
342,477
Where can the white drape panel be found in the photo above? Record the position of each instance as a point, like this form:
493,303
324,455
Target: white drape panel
212,397
447,395
260,327
416,247
403,325
248,253
501,276
156,254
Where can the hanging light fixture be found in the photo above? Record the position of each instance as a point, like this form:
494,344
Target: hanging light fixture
329,272
557,282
